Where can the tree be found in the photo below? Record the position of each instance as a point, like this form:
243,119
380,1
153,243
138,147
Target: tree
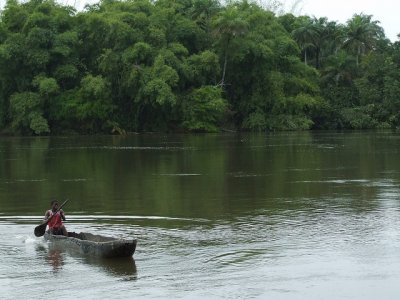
192,65
203,11
27,113
203,109
229,25
306,35
362,35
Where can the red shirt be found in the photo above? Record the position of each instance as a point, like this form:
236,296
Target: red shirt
56,221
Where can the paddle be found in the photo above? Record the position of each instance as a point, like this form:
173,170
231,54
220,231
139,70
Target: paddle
41,229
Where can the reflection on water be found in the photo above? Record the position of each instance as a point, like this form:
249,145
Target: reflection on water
192,176
279,216
52,256
61,259
123,268
55,259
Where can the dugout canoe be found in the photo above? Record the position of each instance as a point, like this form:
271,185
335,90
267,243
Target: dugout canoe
93,245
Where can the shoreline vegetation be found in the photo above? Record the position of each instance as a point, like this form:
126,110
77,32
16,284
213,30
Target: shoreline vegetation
191,66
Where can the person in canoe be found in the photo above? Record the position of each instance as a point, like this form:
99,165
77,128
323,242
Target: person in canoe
56,225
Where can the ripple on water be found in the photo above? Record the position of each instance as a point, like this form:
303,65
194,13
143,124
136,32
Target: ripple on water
238,257
335,181
75,179
97,217
179,174
285,248
24,181
246,175
158,148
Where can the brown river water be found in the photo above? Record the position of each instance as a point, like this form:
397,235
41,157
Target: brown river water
303,215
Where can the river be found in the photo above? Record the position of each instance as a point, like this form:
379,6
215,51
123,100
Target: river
300,215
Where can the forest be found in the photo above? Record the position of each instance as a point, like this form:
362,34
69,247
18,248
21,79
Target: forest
191,66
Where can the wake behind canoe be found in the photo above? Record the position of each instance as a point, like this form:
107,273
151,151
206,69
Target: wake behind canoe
94,245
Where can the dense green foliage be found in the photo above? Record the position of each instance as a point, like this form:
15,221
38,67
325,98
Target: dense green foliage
191,65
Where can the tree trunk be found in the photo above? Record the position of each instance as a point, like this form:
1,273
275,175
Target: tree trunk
305,56
317,59
224,69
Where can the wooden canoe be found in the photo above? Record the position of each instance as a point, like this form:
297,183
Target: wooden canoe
93,245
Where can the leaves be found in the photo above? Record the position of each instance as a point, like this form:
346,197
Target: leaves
46,86
203,109
190,65
26,111
38,124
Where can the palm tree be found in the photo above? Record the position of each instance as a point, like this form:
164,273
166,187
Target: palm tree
334,37
305,36
362,35
340,69
228,26
328,40
202,11
320,26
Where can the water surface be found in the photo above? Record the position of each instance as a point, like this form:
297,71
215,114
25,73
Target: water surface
278,216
